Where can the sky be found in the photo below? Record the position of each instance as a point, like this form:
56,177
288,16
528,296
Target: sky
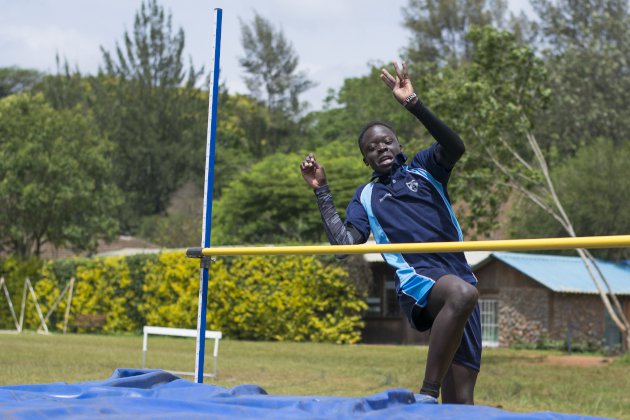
334,39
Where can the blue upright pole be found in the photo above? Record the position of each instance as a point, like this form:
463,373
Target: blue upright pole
207,199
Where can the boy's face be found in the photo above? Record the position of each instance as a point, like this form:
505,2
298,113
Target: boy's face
380,147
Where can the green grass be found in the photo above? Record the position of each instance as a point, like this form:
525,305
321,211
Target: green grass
516,380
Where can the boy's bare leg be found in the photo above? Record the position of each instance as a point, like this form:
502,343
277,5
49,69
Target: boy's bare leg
450,303
458,386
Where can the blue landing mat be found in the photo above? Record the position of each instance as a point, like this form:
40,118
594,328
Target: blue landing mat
155,394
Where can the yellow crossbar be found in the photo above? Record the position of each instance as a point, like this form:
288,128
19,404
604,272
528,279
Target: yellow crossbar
589,242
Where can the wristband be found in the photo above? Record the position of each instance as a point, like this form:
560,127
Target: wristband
409,99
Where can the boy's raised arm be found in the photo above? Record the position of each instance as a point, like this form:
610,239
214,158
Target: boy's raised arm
451,145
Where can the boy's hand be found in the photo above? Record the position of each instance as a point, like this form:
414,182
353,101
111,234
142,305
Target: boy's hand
400,85
312,172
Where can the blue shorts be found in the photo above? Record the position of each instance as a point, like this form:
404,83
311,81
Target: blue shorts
469,351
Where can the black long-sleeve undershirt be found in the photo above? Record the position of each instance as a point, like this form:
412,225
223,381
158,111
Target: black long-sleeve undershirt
450,145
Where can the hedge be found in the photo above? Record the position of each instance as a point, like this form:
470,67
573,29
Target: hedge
295,298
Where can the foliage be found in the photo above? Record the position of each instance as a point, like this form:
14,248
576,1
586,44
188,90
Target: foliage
170,291
271,65
102,287
296,299
181,226
491,103
154,55
67,88
587,59
292,298
243,130
15,271
439,28
581,344
15,80
598,171
360,100
148,106
55,178
275,84
270,203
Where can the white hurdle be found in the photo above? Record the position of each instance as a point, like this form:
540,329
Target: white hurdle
181,332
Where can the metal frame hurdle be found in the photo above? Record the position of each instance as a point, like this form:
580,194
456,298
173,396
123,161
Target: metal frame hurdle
181,332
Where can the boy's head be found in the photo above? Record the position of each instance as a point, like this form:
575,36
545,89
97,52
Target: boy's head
379,146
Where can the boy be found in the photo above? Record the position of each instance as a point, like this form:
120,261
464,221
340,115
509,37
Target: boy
410,204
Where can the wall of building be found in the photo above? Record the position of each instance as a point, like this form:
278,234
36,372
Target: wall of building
582,315
524,305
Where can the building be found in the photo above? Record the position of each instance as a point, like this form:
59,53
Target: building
529,297
523,298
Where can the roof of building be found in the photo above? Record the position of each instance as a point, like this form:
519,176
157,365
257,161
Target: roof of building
122,245
564,274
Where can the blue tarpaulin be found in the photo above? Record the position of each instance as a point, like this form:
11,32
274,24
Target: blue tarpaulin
155,394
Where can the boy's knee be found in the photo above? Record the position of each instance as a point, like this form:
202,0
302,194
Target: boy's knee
466,297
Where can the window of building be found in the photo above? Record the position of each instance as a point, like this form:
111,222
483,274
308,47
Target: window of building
489,322
391,307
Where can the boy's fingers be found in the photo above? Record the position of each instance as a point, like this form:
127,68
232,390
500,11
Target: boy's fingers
388,78
398,74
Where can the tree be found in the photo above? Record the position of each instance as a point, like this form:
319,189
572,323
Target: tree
15,80
243,130
148,106
67,88
55,178
588,58
270,203
598,170
272,66
506,83
439,27
180,227
274,80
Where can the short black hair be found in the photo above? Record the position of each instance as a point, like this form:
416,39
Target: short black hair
371,124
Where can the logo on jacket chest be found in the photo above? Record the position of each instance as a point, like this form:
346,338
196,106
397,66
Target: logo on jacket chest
412,185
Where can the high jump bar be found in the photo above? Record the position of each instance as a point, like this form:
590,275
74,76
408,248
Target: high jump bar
539,244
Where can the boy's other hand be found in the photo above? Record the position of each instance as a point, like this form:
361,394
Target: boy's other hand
312,172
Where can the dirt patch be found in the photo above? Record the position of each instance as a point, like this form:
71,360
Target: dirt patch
570,360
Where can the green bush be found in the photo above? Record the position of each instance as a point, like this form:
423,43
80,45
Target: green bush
259,298
103,287
270,298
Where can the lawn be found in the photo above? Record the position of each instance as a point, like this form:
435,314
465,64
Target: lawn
516,380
